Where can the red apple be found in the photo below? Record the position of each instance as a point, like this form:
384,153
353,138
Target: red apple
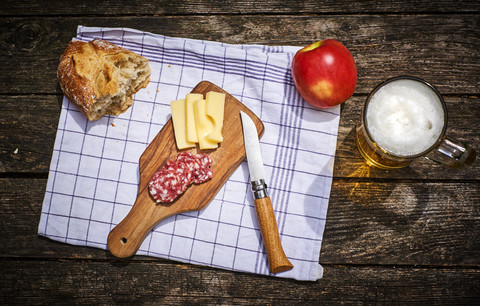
324,73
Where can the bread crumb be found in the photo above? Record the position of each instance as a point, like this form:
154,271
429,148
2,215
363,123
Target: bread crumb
112,124
16,151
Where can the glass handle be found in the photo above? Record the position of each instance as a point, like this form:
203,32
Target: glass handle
452,154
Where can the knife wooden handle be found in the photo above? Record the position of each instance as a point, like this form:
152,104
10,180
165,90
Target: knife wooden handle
268,226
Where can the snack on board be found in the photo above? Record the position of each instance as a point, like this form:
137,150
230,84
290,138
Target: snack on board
195,120
100,77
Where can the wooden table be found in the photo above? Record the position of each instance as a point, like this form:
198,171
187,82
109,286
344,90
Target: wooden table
404,236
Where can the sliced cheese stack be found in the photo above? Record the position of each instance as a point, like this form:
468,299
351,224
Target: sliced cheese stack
198,120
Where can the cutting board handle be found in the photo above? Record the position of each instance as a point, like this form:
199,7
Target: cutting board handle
125,239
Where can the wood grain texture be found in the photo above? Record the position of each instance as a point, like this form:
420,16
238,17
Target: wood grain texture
125,239
28,125
277,259
414,222
68,282
202,7
444,51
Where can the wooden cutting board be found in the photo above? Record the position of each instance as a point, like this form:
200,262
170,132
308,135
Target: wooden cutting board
125,239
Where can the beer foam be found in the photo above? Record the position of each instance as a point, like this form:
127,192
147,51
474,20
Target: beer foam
405,117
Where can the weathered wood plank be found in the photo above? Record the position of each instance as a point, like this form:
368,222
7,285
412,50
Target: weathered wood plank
372,222
29,124
136,7
445,50
27,132
65,282
407,222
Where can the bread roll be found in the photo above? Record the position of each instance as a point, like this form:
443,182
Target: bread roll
100,77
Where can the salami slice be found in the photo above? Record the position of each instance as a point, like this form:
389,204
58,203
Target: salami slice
199,164
185,172
170,181
203,173
189,159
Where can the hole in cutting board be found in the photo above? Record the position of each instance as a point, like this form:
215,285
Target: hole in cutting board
124,240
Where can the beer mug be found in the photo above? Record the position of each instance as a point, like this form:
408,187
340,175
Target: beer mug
405,118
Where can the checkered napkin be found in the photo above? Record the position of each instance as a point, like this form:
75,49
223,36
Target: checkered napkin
94,175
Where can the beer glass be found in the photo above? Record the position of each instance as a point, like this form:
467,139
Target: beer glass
405,118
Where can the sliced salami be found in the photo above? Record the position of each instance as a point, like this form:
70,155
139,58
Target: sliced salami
199,164
175,176
170,181
203,173
186,173
189,159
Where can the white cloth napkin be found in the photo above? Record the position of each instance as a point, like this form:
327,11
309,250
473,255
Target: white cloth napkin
93,176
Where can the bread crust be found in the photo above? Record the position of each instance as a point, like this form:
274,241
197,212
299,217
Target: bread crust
89,72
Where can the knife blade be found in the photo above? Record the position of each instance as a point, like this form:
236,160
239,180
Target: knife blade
277,259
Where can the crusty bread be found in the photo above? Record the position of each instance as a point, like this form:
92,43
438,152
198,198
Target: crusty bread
100,77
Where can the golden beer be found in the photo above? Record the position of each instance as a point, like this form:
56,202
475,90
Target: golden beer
375,155
403,118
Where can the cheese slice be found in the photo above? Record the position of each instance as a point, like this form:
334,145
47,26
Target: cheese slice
215,107
179,125
204,125
190,116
